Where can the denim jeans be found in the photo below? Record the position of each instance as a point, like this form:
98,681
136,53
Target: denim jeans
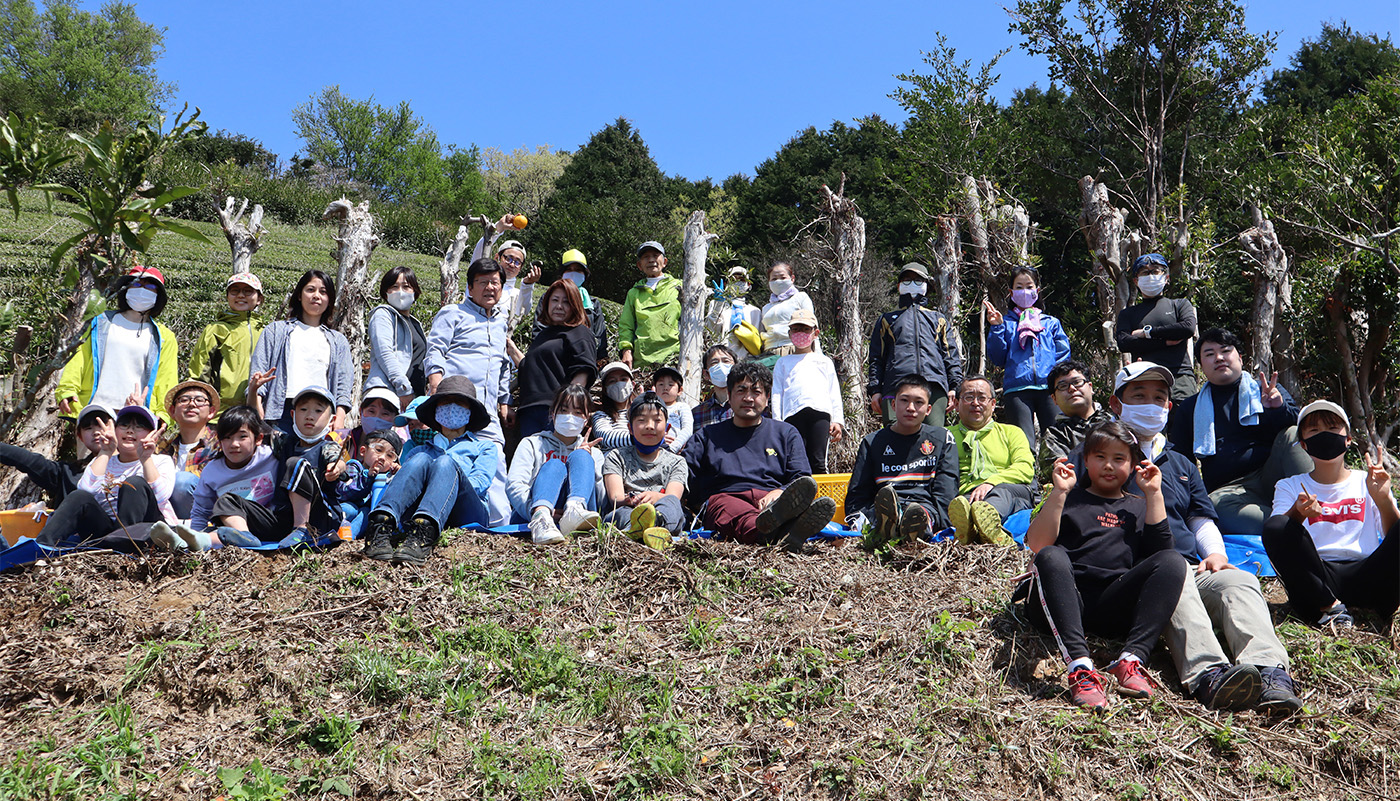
182,497
431,485
555,483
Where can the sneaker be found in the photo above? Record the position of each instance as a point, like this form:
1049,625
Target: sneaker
379,539
1132,682
576,517
1086,689
299,538
986,523
643,518
1337,617
960,516
419,537
886,516
914,524
807,524
796,497
542,528
237,537
165,537
1230,688
1279,695
657,538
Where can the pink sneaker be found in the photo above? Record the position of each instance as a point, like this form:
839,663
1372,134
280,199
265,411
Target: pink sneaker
1086,689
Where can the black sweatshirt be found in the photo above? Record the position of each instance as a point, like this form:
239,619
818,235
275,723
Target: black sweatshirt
555,357
1107,536
922,467
53,477
1171,319
1239,449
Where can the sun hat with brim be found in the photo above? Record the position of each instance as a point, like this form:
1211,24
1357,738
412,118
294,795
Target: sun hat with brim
175,391
1142,371
245,278
457,389
1324,406
95,408
915,268
380,393
670,371
410,413
803,317
147,416
318,391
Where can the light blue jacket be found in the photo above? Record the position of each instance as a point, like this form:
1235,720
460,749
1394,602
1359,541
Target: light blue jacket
476,460
391,349
465,340
1027,367
272,352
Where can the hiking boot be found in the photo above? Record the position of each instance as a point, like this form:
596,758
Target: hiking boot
1229,688
914,524
164,536
643,518
1086,689
886,516
795,498
657,538
807,524
960,517
419,537
1337,617
542,528
1132,682
379,539
986,523
1279,696
576,517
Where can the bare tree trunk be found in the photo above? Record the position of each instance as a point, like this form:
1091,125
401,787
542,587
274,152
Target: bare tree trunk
243,239
1271,285
848,228
355,242
696,248
1355,397
947,265
982,256
448,270
1113,246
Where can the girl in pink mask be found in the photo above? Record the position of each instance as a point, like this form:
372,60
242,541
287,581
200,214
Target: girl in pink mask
806,392
1026,343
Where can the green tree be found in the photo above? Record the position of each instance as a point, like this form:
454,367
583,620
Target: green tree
77,68
523,179
1336,65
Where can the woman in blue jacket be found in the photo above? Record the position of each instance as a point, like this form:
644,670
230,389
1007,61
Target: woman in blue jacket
1026,343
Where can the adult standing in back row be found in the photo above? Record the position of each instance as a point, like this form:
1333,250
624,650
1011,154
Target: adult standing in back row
301,352
648,331
784,298
1027,343
1157,328
913,340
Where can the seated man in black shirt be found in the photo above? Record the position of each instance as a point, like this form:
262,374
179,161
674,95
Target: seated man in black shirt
905,475
1243,433
1072,392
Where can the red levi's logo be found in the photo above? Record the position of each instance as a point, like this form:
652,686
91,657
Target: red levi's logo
1343,510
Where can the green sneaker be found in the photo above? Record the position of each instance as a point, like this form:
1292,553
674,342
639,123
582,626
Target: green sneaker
960,516
643,518
986,525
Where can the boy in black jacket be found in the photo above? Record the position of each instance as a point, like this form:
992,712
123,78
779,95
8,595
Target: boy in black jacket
56,478
905,475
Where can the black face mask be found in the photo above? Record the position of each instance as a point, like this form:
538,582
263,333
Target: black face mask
1326,445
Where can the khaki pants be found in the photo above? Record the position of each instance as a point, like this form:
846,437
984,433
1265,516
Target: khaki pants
1245,503
1232,600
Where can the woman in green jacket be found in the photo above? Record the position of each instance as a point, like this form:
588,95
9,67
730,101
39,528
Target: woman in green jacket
224,353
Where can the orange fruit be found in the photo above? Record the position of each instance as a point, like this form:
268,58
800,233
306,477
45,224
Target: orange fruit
520,221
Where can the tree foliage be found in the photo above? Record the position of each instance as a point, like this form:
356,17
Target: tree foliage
1337,64
391,150
80,69
524,178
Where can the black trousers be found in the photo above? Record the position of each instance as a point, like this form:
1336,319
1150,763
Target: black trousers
1137,604
1314,583
300,477
815,429
1024,406
80,517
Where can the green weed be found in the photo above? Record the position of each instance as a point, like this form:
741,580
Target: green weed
253,783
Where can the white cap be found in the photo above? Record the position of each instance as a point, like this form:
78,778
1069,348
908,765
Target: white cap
1142,371
1323,406
382,393
611,366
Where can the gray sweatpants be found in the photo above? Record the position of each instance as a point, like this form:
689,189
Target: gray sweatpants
1245,503
669,515
1232,600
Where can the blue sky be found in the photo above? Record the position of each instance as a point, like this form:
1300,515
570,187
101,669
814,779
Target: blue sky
714,88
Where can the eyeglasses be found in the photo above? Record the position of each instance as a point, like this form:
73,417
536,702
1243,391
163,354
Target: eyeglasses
196,401
242,290
511,260
976,398
1070,383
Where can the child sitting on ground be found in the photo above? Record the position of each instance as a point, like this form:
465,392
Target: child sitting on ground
806,392
245,468
557,468
1104,561
644,481
667,383
58,478
1334,538
362,484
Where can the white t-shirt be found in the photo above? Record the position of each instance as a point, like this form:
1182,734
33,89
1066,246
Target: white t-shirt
108,485
1350,525
123,365
308,358
806,381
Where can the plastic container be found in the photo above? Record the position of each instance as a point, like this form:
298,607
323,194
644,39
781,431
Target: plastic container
833,485
16,523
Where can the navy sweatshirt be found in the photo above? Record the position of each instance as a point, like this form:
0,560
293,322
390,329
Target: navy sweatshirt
724,458
1239,449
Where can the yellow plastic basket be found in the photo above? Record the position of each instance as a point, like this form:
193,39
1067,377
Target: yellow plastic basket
16,523
833,485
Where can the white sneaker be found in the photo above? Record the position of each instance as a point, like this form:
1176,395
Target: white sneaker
542,528
576,517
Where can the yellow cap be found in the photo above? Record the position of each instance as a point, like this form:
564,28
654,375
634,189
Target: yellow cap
575,256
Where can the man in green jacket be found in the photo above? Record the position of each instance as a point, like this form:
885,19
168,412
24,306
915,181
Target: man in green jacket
995,467
648,332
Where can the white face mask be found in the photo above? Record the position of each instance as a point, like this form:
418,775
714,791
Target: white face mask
740,287
401,299
619,391
568,425
719,374
1144,418
141,299
913,288
1152,285
577,277
779,286
453,415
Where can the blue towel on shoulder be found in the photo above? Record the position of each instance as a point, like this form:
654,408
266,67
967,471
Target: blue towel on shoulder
1251,404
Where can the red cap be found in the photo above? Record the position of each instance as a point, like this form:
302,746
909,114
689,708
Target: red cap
138,271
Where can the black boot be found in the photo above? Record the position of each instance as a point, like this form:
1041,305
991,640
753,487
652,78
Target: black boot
379,539
420,535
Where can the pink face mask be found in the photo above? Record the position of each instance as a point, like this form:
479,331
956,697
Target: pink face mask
802,339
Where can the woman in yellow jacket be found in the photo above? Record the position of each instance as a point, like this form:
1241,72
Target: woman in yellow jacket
127,352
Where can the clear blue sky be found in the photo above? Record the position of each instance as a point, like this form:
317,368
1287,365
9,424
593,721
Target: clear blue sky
714,88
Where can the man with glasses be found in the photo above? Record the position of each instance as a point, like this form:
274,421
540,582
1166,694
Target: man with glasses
469,339
995,467
518,292
191,404
1073,393
1158,328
